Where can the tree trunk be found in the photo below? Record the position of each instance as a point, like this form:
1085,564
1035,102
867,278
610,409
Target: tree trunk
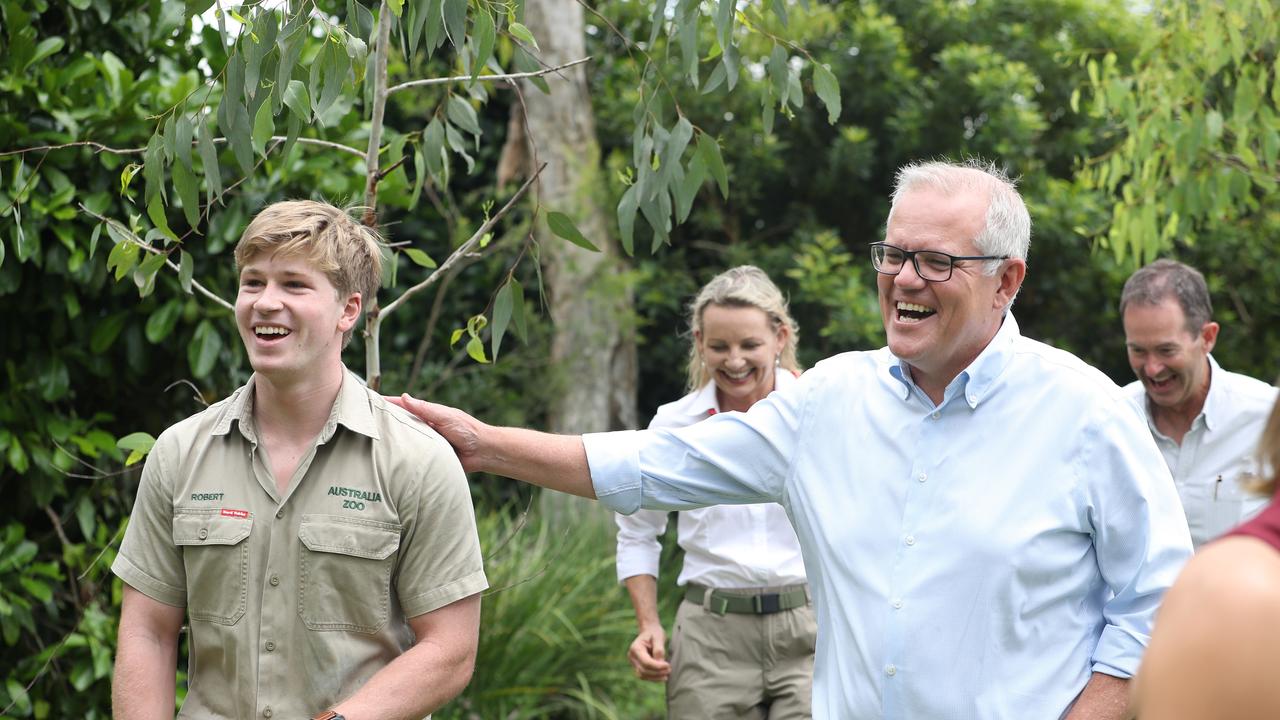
593,351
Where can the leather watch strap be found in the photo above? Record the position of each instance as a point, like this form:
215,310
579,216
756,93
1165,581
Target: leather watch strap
328,715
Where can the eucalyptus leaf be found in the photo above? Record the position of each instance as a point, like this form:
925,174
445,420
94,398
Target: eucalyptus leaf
562,226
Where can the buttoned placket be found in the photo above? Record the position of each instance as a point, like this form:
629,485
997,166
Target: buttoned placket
280,590
918,490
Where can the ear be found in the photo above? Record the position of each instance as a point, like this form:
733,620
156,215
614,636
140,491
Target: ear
351,309
784,334
1011,276
1209,334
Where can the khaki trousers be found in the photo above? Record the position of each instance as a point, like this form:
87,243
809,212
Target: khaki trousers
732,666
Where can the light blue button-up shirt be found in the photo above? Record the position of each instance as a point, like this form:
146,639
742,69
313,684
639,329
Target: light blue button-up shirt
974,559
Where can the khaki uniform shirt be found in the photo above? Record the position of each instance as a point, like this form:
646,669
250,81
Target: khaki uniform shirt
295,601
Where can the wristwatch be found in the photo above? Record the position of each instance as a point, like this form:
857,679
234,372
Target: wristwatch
328,715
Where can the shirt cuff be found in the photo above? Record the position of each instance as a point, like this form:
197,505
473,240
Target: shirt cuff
147,585
614,461
1119,651
465,586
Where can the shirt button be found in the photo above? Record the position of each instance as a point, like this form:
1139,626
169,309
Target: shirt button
279,514
897,604
973,398
890,670
936,415
911,539
271,646
923,477
204,534
275,580
267,713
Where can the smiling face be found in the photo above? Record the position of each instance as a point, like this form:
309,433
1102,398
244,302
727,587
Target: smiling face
1170,360
939,328
291,318
740,348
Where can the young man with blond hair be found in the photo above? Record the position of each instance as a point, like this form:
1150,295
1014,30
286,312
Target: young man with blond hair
324,569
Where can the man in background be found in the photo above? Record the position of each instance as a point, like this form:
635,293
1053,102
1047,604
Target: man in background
1205,420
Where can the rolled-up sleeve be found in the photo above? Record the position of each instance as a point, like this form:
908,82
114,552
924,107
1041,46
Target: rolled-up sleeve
730,458
1140,536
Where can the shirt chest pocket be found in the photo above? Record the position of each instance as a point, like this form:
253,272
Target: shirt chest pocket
345,572
216,558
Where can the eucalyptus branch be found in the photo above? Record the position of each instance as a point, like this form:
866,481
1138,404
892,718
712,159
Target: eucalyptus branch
466,248
375,122
146,246
488,78
99,147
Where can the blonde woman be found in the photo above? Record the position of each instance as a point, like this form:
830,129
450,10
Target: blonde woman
743,641
1216,644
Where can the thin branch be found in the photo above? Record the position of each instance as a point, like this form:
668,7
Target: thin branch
375,121
466,247
487,78
99,147
136,240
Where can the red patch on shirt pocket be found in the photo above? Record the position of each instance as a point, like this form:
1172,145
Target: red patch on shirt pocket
242,514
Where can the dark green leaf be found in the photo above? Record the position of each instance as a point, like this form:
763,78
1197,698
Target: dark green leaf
209,157
188,192
203,351
627,218
161,322
715,80
828,91
517,310
463,115
186,270
561,225
153,168
105,333
709,151
433,147
434,25
296,97
53,381
659,19
159,218
263,128
694,176
484,37
455,21
47,47
501,317
182,135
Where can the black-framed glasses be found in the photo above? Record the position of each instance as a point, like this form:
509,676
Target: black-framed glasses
930,265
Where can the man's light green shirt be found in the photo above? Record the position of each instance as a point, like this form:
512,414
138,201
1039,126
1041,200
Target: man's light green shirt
295,601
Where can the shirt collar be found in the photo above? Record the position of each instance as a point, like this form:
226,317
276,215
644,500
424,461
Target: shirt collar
353,410
974,382
1211,402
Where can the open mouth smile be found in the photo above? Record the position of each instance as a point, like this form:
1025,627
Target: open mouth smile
913,312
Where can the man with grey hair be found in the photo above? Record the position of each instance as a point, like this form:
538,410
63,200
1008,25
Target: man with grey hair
1205,420
986,525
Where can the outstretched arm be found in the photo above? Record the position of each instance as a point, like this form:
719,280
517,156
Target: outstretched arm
558,462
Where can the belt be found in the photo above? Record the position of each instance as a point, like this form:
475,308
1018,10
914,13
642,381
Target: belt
722,602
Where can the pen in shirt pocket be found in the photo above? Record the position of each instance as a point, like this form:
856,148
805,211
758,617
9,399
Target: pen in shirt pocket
1217,484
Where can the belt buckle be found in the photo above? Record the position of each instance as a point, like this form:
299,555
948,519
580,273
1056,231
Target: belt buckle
766,604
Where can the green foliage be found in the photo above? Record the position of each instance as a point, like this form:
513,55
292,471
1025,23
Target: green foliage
1195,125
555,628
